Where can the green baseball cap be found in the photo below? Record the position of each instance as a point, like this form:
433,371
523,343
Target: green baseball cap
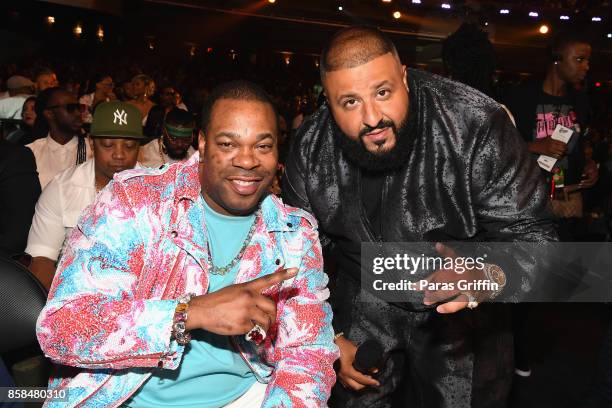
117,119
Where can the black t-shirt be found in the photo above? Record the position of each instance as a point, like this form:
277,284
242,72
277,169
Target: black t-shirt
537,114
371,197
347,252
553,110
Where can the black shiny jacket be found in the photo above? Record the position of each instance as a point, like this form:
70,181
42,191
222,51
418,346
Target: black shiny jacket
469,177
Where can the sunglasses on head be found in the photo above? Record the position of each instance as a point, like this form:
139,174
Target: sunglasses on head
70,107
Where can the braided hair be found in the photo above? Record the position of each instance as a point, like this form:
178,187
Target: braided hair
81,150
469,57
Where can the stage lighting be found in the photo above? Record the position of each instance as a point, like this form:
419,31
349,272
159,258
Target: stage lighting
533,14
100,33
543,29
397,15
78,30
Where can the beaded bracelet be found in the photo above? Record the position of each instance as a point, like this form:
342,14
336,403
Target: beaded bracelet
179,320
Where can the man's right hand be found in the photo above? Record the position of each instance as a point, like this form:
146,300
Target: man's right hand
234,309
347,375
548,147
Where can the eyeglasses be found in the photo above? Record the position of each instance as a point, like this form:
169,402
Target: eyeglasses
70,107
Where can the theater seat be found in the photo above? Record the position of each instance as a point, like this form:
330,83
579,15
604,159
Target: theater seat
22,298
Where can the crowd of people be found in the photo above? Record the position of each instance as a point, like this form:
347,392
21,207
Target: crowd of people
146,199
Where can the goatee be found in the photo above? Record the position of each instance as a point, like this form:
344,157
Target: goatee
385,161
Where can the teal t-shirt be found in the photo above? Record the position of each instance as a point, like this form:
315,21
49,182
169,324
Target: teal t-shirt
211,374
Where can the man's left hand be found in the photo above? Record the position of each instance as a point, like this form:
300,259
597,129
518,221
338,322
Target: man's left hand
455,299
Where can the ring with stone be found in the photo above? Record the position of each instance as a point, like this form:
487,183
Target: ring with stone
472,302
257,334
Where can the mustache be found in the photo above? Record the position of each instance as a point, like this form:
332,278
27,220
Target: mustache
380,125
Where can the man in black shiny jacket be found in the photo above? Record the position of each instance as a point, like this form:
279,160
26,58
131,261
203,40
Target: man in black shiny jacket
398,155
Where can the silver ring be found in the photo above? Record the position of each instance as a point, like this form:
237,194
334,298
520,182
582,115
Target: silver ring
472,302
257,334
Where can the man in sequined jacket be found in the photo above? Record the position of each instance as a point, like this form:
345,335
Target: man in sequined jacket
398,155
117,310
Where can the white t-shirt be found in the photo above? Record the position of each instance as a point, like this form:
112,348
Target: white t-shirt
52,157
59,207
149,155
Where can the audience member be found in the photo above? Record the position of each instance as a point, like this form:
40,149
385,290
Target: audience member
99,89
175,144
155,119
468,56
59,116
23,132
542,107
115,146
124,91
143,88
45,78
19,88
19,190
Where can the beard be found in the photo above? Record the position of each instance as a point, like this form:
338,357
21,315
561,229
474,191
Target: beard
175,154
384,161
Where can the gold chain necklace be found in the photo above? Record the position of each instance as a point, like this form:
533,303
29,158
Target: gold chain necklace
216,270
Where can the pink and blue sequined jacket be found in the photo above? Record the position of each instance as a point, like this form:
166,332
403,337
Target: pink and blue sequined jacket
141,245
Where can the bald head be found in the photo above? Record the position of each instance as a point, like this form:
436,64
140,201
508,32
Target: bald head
354,46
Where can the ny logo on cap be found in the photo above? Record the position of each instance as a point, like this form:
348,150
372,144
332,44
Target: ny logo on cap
121,117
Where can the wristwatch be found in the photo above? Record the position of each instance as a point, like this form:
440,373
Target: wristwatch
495,274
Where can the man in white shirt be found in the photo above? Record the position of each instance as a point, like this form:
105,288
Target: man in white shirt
115,138
58,111
19,89
174,145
